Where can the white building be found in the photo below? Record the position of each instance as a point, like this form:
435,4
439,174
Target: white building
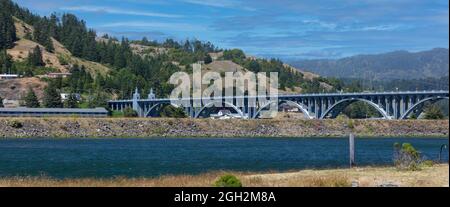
8,76
65,96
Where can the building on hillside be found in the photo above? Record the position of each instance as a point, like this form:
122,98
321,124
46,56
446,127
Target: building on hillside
11,103
8,76
65,96
58,75
49,112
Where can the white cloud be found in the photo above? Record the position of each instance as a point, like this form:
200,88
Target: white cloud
157,25
220,4
213,3
118,11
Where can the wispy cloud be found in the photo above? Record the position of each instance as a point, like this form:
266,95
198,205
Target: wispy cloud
153,24
220,4
111,10
213,3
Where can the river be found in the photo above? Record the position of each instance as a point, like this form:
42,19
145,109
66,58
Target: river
77,158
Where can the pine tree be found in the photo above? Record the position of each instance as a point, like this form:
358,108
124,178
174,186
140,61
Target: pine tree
31,100
52,99
7,30
5,62
35,57
28,35
42,36
207,59
1,102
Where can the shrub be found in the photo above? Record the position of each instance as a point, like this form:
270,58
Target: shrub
406,157
433,112
350,124
129,112
228,181
62,60
16,124
427,163
172,112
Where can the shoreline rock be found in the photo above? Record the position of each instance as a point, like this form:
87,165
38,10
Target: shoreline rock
162,127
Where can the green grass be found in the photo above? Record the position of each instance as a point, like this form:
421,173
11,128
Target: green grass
117,114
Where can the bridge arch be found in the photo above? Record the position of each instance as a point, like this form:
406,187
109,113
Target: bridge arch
420,105
154,107
279,102
225,103
342,104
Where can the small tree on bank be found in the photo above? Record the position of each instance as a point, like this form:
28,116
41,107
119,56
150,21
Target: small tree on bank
433,112
406,157
1,102
31,100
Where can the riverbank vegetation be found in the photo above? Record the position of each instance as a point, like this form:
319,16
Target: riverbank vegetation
436,176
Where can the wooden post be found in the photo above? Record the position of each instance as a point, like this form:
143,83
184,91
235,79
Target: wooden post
352,150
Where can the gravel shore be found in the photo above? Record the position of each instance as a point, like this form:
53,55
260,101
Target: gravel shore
159,127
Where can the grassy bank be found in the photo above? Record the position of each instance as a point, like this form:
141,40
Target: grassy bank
159,127
437,175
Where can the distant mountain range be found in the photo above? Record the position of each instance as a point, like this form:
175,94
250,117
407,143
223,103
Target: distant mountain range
388,66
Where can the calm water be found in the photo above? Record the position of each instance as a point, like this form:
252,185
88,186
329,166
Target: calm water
66,158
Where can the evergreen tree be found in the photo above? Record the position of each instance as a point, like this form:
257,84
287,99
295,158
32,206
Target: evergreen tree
28,35
35,57
42,36
7,29
207,59
71,101
5,62
52,99
31,100
1,102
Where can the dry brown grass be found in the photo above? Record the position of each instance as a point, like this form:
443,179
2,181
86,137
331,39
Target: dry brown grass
437,175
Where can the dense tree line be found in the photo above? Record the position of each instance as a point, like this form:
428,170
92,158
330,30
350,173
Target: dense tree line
7,29
5,62
287,77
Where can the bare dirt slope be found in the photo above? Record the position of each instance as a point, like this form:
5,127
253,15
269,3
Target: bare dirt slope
15,89
24,46
224,66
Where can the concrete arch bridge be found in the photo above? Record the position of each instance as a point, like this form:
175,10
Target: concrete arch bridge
390,105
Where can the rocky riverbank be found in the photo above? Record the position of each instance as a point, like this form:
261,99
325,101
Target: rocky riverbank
136,127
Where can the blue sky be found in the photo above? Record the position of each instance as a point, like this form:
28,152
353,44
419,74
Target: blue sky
287,29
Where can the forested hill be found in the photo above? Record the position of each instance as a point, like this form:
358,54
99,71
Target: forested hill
108,67
393,65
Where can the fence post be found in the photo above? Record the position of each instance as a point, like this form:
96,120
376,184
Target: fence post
352,150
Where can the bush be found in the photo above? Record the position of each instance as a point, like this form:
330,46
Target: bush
228,181
16,124
172,112
350,124
433,112
406,157
129,112
427,163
